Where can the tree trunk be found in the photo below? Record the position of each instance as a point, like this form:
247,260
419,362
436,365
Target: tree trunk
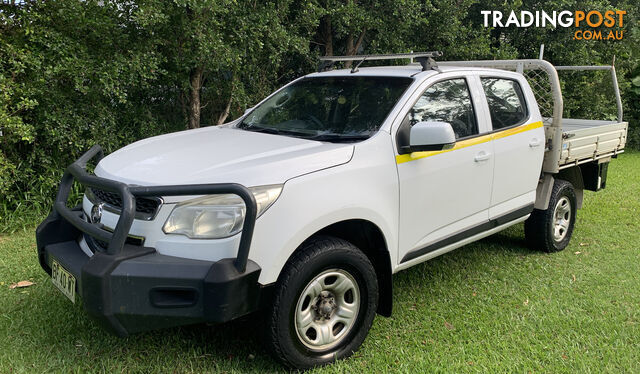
352,48
349,50
183,106
225,113
195,85
327,35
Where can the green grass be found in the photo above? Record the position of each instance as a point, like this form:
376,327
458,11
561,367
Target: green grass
492,306
21,218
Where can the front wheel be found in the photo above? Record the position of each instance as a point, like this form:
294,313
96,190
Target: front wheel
550,230
324,305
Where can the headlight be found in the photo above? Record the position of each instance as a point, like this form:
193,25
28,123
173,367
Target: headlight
217,216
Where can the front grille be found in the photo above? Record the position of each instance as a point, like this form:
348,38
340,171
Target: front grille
145,207
96,245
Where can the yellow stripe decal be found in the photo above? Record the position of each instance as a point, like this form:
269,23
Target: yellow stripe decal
469,142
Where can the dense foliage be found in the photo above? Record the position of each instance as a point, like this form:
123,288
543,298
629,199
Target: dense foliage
75,73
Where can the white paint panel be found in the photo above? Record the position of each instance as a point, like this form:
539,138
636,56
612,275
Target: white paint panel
442,194
517,167
220,155
510,205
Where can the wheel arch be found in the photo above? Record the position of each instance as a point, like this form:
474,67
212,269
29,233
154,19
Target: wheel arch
573,175
369,238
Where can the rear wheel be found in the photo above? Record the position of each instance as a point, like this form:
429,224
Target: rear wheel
325,303
550,230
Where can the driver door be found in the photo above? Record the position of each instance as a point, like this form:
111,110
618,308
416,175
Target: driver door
445,195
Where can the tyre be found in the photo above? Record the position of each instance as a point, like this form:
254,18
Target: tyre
325,302
550,230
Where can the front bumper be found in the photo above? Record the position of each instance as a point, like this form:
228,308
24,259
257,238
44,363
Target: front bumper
130,288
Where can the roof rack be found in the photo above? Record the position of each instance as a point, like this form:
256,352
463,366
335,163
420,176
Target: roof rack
424,58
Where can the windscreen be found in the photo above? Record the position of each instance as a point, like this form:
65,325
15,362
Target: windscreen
328,108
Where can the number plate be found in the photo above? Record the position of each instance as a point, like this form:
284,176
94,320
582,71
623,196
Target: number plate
64,280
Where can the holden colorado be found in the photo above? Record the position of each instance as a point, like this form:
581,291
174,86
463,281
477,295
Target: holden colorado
302,209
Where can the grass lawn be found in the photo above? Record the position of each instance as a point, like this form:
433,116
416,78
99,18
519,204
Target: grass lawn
492,306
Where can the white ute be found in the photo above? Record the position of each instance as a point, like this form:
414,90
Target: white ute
304,207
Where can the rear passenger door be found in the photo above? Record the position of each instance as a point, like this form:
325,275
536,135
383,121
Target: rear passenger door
518,143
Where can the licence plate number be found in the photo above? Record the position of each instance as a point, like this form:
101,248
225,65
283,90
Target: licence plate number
64,280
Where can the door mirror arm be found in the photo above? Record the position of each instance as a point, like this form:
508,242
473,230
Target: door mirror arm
429,136
406,149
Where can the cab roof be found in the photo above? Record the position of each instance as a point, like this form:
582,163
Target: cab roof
410,71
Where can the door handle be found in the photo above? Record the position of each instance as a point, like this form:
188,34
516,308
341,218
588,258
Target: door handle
535,142
482,156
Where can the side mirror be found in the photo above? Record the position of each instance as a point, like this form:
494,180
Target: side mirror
430,136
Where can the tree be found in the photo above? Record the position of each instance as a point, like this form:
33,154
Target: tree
213,49
71,74
74,73
346,26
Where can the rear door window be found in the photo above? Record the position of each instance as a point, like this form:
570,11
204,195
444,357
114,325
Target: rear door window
506,101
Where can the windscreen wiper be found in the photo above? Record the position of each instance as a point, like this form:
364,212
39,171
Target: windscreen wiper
338,137
269,130
255,128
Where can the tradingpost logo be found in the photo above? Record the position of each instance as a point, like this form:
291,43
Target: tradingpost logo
589,25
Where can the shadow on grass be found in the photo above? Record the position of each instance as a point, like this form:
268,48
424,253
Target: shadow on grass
236,345
506,244
58,333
